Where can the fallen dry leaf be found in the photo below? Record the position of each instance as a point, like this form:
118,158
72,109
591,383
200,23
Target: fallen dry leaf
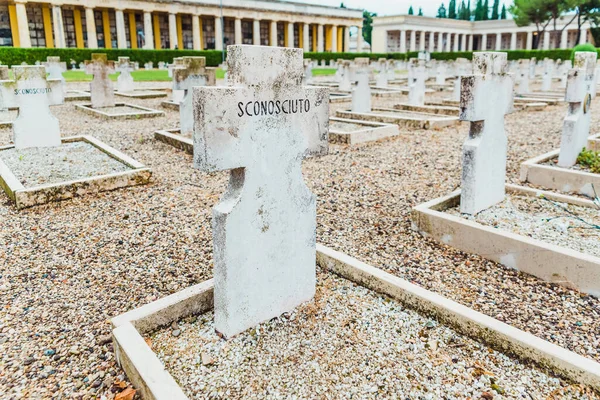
126,394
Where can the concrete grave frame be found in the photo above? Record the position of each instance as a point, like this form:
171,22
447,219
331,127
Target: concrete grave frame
174,138
28,197
546,261
170,105
142,94
429,109
153,382
77,95
517,105
415,120
144,112
561,179
370,132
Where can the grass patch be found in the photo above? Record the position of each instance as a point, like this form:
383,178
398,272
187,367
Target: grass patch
141,75
323,71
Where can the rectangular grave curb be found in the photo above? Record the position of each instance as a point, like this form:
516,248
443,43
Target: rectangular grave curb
145,112
170,105
517,105
77,95
173,138
430,109
139,94
561,179
538,99
154,382
6,124
419,121
546,261
340,98
28,197
372,131
594,142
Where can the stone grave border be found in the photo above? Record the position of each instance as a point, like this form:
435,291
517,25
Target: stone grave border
517,105
142,94
173,138
170,105
145,112
28,197
419,121
371,132
546,261
562,179
339,97
154,382
77,95
538,99
429,109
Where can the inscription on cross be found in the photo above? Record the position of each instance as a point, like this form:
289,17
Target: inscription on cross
101,87
581,83
486,97
260,127
31,93
125,80
191,72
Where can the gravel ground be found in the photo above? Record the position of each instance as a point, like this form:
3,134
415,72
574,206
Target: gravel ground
577,167
69,161
346,126
67,267
120,110
348,343
552,222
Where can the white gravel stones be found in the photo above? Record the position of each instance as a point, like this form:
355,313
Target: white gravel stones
486,97
549,221
349,342
69,161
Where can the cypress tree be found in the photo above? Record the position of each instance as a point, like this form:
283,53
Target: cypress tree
452,9
479,11
495,9
410,11
503,12
420,12
485,13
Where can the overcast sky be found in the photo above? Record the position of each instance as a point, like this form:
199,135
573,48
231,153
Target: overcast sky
394,7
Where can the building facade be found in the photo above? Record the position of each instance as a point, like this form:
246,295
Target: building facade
401,33
182,24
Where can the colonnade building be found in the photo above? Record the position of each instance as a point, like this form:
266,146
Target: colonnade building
182,24
401,33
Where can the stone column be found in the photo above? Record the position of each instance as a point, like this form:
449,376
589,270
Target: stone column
483,42
498,41
196,34
305,37
529,43
173,31
431,42
346,39
463,43
90,27
583,37
440,44
121,38
513,40
455,43
403,41
320,44
333,38
148,32
359,40
23,24
563,38
256,32
413,40
546,40
238,31
470,43
57,23
218,33
273,33
422,41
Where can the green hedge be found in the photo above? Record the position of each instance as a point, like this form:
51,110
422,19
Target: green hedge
15,56
352,56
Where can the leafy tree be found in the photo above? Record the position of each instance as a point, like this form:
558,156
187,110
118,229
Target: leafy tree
503,12
452,9
485,12
410,11
587,11
441,12
420,12
367,25
495,9
532,12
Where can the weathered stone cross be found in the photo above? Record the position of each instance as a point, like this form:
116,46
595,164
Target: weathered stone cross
260,127
486,97
191,72
581,83
55,68
416,82
524,71
101,87
125,80
35,126
361,94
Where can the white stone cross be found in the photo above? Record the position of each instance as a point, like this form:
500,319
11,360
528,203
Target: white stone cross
532,66
382,76
440,73
548,74
416,82
308,77
31,93
101,87
190,72
264,228
576,125
486,97
125,80
345,82
176,95
55,68
361,94
524,71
